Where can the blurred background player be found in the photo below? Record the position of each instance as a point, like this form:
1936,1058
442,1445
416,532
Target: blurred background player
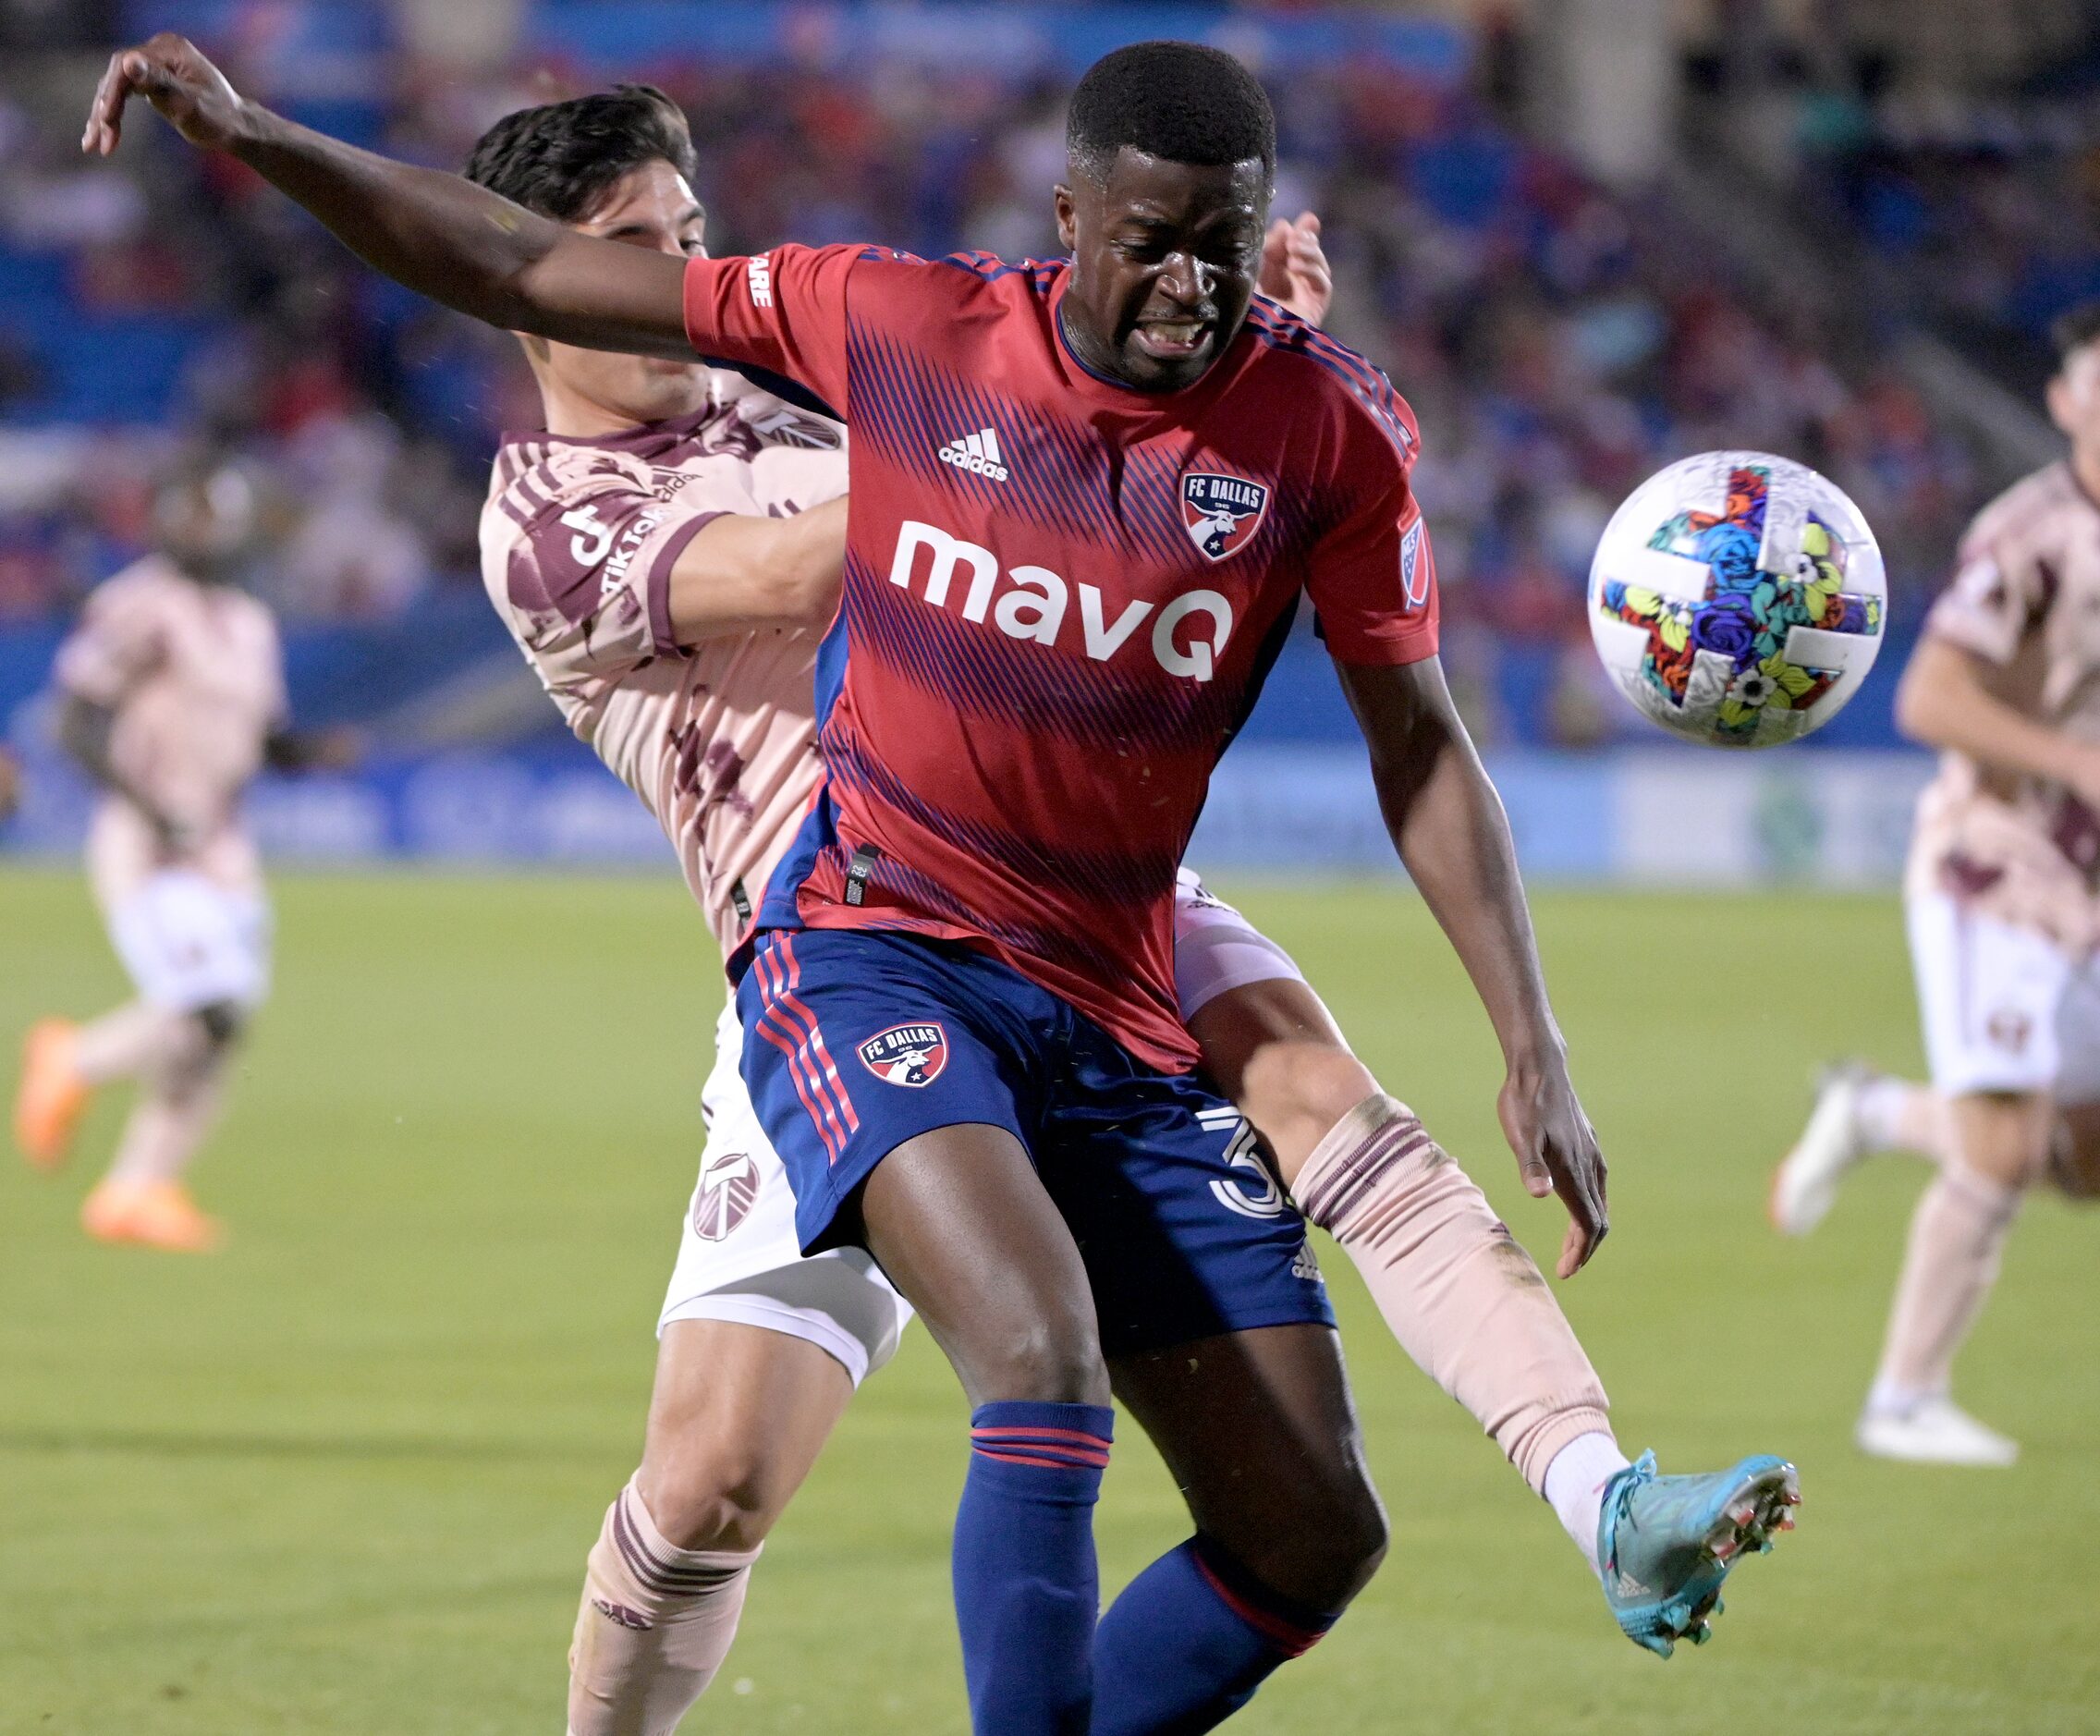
171,699
2003,916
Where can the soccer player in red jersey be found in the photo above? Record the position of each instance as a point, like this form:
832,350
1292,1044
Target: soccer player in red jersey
1087,497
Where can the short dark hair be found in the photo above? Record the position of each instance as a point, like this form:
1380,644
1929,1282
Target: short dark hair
2074,329
1181,101
561,158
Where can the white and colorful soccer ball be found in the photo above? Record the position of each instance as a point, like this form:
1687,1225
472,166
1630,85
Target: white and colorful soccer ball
1738,599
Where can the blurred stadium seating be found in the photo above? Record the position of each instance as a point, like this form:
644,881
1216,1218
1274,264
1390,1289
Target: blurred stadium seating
1559,339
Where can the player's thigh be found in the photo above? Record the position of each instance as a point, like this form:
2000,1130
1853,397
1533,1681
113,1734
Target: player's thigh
740,1257
2074,1165
1259,1432
1268,1041
737,1418
1989,996
894,1077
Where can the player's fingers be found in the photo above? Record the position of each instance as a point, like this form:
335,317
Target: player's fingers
1537,1172
1309,223
106,109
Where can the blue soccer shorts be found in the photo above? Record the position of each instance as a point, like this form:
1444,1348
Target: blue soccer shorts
858,1041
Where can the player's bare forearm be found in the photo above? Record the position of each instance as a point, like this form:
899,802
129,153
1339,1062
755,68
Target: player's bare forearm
1448,825
744,574
438,234
1944,702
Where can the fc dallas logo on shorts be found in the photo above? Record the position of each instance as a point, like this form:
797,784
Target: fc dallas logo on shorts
1222,513
728,1186
907,1055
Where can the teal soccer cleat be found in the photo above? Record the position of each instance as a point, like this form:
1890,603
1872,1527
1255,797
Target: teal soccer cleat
1668,1543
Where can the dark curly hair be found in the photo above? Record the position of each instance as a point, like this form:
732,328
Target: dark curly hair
561,158
1178,101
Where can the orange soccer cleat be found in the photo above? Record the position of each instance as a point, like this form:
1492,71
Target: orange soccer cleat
151,1215
52,1096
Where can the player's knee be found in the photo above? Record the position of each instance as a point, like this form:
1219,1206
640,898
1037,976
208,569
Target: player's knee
219,1025
1051,1357
711,1494
1322,1548
1294,1091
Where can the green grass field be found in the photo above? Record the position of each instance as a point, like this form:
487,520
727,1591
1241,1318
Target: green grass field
341,1478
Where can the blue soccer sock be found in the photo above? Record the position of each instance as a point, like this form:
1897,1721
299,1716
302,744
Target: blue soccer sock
1187,1643
1027,1592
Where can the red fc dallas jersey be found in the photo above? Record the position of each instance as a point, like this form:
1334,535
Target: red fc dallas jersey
1061,598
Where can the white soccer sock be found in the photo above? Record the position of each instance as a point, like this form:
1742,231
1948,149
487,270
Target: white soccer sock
1957,1237
1575,1488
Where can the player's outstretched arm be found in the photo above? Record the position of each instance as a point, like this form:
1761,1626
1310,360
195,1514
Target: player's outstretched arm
1447,823
439,234
743,574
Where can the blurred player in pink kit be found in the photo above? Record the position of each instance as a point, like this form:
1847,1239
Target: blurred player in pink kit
171,698
2004,918
627,549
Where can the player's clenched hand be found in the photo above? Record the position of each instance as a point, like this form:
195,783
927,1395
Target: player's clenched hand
1295,270
1557,1152
171,74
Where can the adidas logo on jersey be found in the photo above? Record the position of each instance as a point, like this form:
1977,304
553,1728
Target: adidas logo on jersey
978,454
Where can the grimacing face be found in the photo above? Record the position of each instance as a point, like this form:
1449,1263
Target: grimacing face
1165,259
649,206
2074,397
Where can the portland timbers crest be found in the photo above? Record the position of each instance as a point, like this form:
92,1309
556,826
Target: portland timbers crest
907,1055
1222,513
728,1186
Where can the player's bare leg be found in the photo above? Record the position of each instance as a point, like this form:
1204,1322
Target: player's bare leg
737,1419
2001,1145
182,1078
1472,1309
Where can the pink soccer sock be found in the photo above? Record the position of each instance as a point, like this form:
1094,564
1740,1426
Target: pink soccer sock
1900,1114
1456,1288
655,1624
1957,1237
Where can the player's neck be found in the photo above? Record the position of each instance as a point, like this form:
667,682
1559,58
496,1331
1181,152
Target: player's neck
574,417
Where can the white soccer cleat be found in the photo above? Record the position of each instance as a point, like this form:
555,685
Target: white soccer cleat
1934,1432
1804,1187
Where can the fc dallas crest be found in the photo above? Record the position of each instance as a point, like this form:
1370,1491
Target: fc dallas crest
907,1055
1222,513
728,1186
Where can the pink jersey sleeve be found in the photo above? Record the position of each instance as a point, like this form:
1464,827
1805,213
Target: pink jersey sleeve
588,577
2001,591
1373,579
785,311
118,641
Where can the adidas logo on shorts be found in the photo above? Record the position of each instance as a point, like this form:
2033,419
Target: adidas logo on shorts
978,454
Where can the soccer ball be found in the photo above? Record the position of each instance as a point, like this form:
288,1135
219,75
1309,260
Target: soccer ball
1738,599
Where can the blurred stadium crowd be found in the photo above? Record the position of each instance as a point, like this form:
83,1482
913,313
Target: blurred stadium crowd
1557,340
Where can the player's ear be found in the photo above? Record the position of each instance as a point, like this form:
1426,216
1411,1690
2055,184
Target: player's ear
2062,411
1068,218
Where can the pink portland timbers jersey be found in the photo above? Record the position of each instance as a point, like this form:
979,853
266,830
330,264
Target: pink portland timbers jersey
1061,598
579,537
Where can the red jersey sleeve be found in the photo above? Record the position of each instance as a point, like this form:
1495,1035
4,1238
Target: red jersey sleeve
783,311
1373,579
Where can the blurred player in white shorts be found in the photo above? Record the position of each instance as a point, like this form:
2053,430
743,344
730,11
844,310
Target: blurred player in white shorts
171,698
666,556
2002,901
